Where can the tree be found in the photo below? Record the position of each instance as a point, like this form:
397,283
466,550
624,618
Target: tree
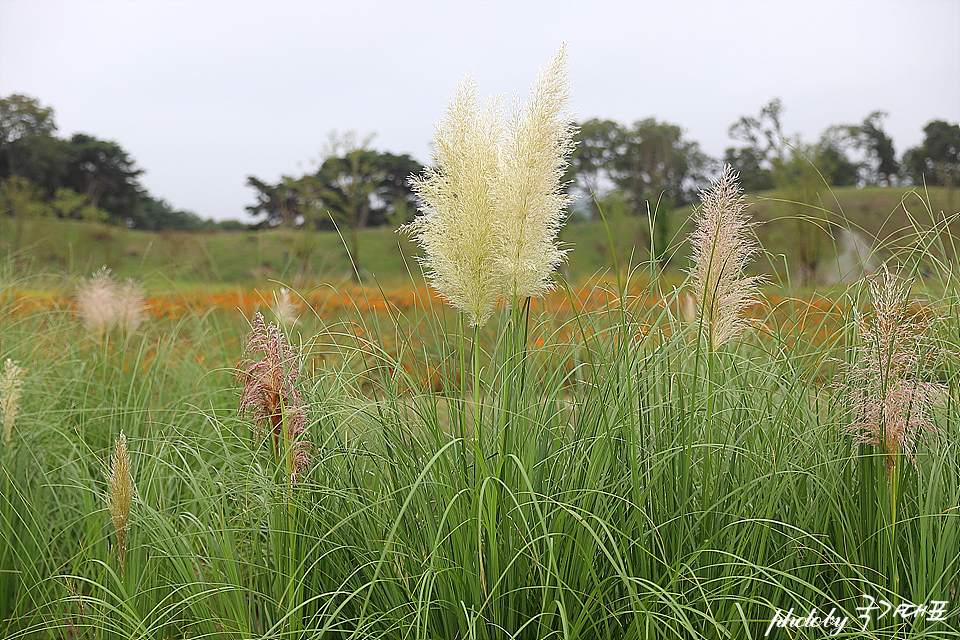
748,163
359,187
354,187
154,214
800,180
830,156
767,151
69,204
591,169
106,174
82,178
279,202
365,188
765,144
19,199
882,165
937,160
791,167
657,170
23,117
28,146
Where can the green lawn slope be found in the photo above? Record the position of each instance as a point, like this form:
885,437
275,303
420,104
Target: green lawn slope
886,220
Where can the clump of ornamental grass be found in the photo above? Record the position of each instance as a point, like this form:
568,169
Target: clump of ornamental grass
268,375
120,494
883,383
493,203
104,302
11,384
722,245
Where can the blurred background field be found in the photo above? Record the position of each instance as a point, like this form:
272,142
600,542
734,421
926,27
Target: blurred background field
831,236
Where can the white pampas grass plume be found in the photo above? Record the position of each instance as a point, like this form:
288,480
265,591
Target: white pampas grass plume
891,403
722,246
120,494
97,301
492,204
130,305
284,308
103,302
11,384
456,231
529,189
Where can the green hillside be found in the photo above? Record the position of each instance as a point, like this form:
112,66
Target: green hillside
883,218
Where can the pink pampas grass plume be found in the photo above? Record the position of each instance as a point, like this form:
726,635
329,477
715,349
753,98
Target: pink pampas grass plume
891,402
268,375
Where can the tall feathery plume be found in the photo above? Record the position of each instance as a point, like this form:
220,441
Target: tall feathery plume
130,305
97,301
120,494
103,302
891,404
492,205
529,187
722,246
270,394
284,308
457,202
10,388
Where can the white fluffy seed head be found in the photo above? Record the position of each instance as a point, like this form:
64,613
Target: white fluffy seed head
457,205
529,191
493,203
11,383
103,303
722,246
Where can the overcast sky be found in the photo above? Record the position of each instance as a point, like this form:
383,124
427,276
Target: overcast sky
203,93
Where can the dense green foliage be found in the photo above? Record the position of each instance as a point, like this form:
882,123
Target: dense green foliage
937,160
353,190
361,188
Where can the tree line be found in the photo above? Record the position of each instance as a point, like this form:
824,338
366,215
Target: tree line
648,168
81,178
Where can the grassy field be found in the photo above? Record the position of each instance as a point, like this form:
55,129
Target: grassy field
886,219
585,467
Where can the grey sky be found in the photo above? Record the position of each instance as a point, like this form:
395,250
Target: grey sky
203,93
